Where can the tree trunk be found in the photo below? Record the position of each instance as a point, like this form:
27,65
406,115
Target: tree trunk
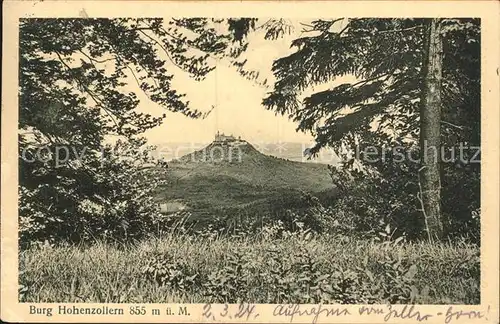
430,120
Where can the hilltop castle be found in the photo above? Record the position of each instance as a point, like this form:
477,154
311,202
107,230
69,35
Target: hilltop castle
221,138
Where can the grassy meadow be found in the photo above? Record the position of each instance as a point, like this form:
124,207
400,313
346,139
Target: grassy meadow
297,268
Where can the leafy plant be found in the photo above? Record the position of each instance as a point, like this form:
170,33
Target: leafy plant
398,281
167,272
277,277
311,285
227,284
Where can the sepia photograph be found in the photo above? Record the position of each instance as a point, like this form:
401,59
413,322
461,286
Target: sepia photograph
111,209
178,159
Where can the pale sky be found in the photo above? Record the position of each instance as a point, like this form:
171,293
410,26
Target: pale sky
238,109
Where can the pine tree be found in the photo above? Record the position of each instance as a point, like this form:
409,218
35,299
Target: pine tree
383,107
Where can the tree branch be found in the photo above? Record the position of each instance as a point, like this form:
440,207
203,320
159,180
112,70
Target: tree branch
371,79
264,24
163,48
138,29
173,36
343,30
453,125
94,60
398,30
137,80
87,90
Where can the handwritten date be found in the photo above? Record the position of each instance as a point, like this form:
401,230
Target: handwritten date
230,311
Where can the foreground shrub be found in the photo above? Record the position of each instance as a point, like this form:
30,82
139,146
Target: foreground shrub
113,201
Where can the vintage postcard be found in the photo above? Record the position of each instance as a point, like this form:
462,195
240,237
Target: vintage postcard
260,162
